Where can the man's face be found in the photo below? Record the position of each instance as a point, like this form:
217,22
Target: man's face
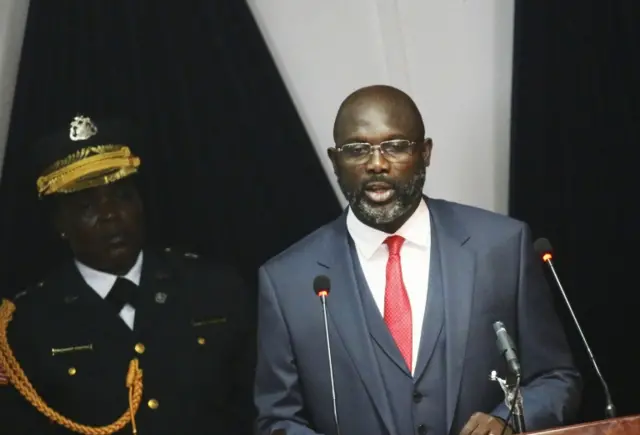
104,226
381,191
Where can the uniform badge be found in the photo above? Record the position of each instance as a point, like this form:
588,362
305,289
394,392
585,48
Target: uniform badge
161,298
82,128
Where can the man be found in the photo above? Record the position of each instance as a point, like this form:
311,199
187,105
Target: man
122,338
416,285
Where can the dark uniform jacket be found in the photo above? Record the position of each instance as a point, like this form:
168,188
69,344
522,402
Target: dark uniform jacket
193,337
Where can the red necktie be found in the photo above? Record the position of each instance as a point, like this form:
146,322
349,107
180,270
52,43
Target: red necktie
397,309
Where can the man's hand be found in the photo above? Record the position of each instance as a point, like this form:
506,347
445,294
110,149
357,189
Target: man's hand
484,424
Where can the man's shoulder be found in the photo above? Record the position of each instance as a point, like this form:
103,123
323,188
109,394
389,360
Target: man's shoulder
191,266
477,213
200,280
28,304
479,222
299,251
193,262
28,294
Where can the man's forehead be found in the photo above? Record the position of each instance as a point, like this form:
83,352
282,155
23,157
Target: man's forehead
375,121
100,191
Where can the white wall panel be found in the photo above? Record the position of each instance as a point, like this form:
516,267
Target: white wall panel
13,18
453,56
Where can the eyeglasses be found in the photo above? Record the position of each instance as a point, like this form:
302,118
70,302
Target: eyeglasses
395,151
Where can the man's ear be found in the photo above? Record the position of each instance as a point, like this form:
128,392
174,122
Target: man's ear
427,146
59,226
333,156
57,217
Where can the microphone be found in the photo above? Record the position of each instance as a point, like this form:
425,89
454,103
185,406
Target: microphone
507,348
543,247
321,287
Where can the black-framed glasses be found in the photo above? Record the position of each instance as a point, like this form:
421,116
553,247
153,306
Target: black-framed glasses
395,151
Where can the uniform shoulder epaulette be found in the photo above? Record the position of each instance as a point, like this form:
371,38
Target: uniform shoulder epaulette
184,254
20,295
27,291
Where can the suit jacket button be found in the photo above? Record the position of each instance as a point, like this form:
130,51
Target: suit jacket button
417,397
139,348
153,404
422,430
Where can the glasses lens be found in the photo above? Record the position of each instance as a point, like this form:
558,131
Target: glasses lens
392,150
356,152
396,150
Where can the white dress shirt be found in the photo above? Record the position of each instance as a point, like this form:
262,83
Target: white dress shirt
101,283
415,256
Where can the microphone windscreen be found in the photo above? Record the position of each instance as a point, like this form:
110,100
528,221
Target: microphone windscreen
542,246
321,283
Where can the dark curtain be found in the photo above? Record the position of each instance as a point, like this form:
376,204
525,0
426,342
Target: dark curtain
228,169
575,173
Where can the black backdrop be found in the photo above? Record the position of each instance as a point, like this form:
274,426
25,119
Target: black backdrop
227,164
574,171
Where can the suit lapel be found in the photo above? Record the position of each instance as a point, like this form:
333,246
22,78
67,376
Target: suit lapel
347,315
433,322
458,276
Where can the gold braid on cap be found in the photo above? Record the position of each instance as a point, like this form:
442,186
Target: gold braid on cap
17,377
88,167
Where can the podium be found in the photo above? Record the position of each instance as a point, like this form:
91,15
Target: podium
614,426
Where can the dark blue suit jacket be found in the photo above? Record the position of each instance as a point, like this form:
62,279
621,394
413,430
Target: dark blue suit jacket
489,272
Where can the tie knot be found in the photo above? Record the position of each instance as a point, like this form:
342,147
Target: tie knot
394,243
123,292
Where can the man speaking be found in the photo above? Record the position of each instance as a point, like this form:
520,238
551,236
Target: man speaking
416,285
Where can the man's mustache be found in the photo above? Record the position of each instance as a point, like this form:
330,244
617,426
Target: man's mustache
377,180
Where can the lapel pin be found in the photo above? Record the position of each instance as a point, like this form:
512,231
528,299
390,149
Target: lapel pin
161,297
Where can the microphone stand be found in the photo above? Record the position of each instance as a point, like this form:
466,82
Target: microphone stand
323,298
513,400
518,409
610,409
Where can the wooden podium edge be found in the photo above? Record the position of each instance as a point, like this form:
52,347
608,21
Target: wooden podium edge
615,426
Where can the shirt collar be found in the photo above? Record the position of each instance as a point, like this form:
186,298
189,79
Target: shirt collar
102,282
416,230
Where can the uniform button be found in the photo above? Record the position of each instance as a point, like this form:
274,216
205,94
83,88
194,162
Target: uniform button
422,429
139,348
201,340
153,404
72,371
417,397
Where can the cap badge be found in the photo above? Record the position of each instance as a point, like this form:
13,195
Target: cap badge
82,128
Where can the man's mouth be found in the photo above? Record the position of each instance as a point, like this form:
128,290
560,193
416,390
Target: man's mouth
116,240
378,192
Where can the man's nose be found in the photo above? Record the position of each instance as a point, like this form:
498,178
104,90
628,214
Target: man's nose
106,208
377,163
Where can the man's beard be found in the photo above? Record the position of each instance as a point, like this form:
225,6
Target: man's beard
405,197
